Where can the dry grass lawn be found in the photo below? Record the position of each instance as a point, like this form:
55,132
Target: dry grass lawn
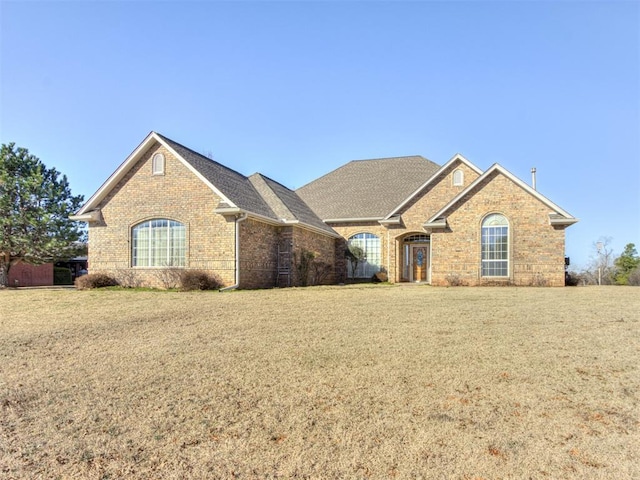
328,382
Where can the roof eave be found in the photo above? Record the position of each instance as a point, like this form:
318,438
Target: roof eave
227,211
234,212
89,217
352,220
313,228
563,221
436,224
395,220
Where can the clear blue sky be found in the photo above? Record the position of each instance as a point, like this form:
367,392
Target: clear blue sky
296,89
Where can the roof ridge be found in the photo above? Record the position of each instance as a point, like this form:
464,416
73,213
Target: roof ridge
390,158
270,196
271,180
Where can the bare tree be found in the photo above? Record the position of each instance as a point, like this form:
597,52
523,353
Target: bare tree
600,270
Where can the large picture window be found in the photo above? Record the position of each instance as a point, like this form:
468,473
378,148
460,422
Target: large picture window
495,246
370,264
158,243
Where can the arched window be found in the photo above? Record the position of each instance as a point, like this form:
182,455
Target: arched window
458,178
158,243
370,263
495,246
157,164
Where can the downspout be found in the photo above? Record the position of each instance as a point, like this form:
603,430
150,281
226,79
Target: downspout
239,218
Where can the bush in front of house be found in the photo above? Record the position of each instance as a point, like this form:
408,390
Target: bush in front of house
199,280
95,280
380,277
454,280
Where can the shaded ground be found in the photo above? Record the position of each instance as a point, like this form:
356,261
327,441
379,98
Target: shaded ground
351,382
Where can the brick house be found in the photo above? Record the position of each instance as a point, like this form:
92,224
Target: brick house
167,206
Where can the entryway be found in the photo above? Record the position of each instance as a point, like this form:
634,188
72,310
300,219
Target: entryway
417,258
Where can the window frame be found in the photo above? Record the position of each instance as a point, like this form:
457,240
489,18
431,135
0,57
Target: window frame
367,268
457,182
495,257
158,164
153,245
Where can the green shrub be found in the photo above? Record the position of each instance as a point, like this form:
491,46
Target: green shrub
62,276
199,280
95,280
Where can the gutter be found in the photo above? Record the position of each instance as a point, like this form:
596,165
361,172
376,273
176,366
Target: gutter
239,218
352,220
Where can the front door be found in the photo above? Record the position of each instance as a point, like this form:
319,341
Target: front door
420,263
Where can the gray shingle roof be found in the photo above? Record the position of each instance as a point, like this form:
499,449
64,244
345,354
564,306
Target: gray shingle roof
292,205
256,194
235,186
367,188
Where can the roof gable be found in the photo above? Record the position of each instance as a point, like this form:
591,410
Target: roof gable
565,218
256,195
287,204
457,158
366,189
130,161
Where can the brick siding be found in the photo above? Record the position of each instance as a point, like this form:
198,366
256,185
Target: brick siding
536,247
178,195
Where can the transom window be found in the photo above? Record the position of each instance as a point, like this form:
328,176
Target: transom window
458,178
158,243
370,264
157,164
495,246
419,238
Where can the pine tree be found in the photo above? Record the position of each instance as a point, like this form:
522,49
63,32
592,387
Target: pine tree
626,263
35,204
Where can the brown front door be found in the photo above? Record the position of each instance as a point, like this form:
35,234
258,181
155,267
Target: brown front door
419,257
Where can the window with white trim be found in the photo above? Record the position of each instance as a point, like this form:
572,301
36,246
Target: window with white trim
158,243
495,246
370,245
458,178
157,164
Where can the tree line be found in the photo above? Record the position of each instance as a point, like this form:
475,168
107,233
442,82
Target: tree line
605,268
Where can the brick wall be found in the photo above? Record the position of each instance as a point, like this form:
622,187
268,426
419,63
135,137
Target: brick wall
258,254
178,195
440,191
536,247
324,249
259,244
